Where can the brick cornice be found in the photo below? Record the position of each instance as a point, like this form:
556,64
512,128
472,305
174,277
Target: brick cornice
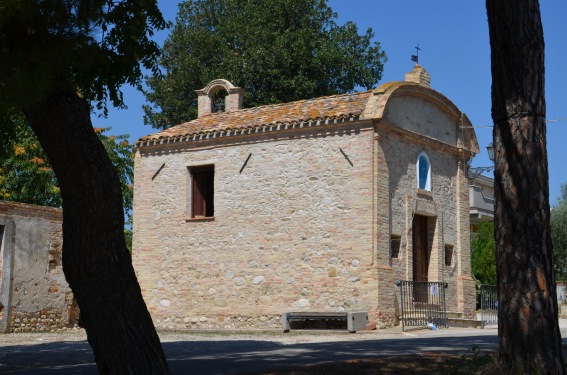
30,210
232,136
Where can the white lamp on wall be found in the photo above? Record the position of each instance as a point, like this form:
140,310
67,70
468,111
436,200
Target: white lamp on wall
490,149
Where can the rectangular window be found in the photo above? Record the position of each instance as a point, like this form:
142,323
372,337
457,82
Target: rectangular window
202,191
395,243
448,255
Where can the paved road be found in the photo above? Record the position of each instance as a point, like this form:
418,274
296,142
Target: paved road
246,356
209,354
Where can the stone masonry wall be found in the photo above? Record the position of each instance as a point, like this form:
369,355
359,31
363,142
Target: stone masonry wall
292,232
47,320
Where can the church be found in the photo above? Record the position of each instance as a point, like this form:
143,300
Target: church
318,205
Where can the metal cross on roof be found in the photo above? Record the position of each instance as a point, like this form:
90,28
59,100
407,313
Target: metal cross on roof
415,58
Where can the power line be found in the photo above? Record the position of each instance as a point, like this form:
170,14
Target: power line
491,126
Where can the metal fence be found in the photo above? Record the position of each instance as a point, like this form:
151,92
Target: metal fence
488,305
423,304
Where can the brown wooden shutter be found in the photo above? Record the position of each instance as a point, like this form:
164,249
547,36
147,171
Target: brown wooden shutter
202,191
197,195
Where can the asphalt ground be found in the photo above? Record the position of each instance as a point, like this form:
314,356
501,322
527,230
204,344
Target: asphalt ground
228,352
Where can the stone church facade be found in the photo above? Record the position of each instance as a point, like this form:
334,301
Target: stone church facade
316,205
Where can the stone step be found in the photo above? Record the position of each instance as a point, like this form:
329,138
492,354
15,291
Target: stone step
450,314
463,323
455,319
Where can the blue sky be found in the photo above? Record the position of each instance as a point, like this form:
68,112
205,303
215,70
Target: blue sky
453,37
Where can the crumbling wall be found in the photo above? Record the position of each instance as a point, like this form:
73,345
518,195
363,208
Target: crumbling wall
35,296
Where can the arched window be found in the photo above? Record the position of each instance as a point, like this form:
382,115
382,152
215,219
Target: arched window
423,168
218,101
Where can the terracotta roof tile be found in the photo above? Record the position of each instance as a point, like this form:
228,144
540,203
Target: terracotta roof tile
329,107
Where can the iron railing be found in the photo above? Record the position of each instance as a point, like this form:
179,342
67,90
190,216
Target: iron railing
422,304
488,305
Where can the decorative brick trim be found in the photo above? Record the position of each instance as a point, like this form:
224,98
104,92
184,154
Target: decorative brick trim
251,130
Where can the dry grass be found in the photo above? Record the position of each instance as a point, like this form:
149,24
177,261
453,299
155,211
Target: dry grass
425,363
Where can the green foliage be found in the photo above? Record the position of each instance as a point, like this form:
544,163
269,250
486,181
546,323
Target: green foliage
483,254
27,177
277,51
25,173
559,235
96,46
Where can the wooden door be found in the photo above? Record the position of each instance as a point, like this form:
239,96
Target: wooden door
420,258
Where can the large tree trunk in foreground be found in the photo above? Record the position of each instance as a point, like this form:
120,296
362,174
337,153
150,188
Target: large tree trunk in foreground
529,337
96,263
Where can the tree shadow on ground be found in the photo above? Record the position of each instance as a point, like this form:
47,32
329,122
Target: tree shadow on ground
227,355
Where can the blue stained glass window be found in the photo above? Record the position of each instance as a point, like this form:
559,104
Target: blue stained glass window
423,172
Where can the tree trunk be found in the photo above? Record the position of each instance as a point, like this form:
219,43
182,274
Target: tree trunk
96,262
529,336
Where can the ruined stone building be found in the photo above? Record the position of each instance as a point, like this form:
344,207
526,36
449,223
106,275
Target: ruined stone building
34,295
316,205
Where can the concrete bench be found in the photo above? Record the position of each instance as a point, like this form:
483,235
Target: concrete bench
355,320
